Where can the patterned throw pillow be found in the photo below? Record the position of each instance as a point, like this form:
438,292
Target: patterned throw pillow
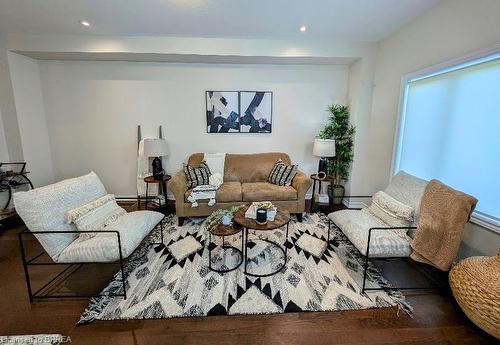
95,215
197,176
282,174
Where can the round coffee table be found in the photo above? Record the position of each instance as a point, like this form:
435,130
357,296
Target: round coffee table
282,219
222,230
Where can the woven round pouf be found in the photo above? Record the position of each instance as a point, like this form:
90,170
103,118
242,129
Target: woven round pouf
475,283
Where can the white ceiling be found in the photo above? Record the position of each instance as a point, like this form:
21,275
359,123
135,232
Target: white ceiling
360,20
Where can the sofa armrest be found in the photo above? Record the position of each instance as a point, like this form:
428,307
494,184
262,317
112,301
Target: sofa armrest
178,186
301,182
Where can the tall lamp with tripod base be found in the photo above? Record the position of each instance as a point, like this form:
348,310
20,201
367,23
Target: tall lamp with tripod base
323,148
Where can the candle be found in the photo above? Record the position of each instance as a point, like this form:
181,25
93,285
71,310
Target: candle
261,215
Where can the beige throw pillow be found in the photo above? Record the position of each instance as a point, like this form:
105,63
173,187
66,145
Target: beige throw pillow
95,215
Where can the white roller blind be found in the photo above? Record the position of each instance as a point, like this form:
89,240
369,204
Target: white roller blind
450,130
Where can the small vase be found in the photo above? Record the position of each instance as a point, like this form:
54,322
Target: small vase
227,219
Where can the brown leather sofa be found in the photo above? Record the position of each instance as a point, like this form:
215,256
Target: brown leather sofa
245,180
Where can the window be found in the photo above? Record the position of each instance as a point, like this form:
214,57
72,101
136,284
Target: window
449,129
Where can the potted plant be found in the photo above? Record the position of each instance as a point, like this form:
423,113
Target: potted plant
342,132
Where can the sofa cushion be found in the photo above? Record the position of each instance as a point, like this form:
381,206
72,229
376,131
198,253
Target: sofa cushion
407,189
45,208
355,224
265,191
133,227
227,192
254,167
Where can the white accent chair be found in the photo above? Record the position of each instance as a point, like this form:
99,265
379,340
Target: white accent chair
373,237
44,210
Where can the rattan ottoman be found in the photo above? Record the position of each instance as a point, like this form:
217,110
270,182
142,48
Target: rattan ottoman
475,283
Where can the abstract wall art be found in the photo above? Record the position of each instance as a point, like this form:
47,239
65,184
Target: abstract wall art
239,111
256,111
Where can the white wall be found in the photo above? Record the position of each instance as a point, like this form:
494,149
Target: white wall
93,109
31,118
11,137
452,29
4,152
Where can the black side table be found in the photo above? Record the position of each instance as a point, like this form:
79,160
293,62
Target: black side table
162,182
222,230
315,179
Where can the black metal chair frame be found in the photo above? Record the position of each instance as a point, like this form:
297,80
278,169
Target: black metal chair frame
27,262
436,285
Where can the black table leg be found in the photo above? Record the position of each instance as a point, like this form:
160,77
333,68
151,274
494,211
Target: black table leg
224,247
311,209
276,245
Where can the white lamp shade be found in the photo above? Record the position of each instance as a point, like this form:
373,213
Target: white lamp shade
155,147
324,147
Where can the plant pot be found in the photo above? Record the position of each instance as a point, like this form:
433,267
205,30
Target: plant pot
337,194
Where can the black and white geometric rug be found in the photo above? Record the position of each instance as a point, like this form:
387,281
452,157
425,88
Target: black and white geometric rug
174,280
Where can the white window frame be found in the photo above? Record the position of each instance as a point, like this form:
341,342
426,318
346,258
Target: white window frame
482,56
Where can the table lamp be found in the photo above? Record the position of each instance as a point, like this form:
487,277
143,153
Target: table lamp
323,148
156,148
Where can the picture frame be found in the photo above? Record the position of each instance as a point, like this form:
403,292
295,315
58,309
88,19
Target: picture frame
239,111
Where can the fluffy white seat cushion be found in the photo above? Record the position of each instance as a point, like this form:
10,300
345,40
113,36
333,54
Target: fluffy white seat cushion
95,215
133,227
45,208
355,224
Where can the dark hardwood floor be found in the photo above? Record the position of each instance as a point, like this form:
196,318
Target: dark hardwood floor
436,319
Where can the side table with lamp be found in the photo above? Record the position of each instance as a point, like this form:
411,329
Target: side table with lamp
316,179
157,148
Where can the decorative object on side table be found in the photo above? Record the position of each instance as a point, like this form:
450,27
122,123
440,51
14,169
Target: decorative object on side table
342,132
157,148
323,148
261,217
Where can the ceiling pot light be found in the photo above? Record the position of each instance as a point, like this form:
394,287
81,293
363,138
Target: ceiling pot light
303,28
84,22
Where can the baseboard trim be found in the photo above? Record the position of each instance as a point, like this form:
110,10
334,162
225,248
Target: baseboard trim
354,203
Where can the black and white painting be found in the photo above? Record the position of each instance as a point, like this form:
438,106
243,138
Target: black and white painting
222,111
256,111
239,111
